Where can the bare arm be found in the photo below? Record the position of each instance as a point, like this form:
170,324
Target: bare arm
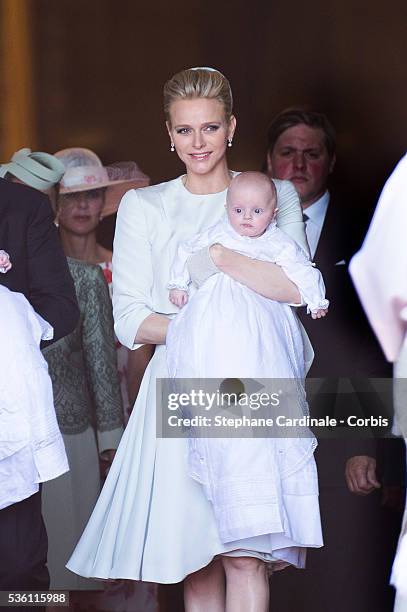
153,330
136,366
264,278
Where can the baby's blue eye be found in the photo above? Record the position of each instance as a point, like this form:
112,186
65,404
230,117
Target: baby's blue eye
238,210
258,211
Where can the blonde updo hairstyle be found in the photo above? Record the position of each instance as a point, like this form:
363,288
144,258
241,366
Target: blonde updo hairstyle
198,83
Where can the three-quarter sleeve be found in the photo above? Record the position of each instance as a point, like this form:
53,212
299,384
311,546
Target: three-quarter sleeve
101,362
289,215
132,269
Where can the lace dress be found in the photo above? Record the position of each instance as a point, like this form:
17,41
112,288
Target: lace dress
87,400
122,351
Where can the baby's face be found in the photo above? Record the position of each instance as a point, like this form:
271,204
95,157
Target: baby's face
250,210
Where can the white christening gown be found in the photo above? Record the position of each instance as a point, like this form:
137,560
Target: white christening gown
228,331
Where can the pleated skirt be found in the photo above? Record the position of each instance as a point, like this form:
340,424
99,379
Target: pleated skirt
153,522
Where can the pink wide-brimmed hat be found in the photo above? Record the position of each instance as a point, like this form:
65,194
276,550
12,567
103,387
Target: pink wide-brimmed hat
84,171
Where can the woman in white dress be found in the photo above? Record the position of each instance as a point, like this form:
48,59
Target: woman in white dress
152,521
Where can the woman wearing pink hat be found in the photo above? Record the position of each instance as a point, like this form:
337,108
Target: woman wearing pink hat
88,192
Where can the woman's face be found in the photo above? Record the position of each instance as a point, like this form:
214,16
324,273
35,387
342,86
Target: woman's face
79,213
199,131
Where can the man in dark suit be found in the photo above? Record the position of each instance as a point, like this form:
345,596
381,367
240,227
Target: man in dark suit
301,148
39,271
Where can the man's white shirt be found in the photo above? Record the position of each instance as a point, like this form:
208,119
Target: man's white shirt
316,216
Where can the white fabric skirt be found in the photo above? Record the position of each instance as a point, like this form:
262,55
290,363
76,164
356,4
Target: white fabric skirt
153,522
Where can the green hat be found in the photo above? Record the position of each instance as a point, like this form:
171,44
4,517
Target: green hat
38,170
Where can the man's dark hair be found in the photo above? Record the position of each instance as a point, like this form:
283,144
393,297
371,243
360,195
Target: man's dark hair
291,117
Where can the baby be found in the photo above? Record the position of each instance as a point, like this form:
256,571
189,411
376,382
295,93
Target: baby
251,206
226,330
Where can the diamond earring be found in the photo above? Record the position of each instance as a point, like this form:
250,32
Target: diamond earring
230,142
172,147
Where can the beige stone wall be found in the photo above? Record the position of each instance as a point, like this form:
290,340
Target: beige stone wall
18,116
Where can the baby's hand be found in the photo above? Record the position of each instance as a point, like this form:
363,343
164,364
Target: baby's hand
178,297
321,312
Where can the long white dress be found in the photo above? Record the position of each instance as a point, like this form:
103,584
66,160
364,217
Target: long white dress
152,521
